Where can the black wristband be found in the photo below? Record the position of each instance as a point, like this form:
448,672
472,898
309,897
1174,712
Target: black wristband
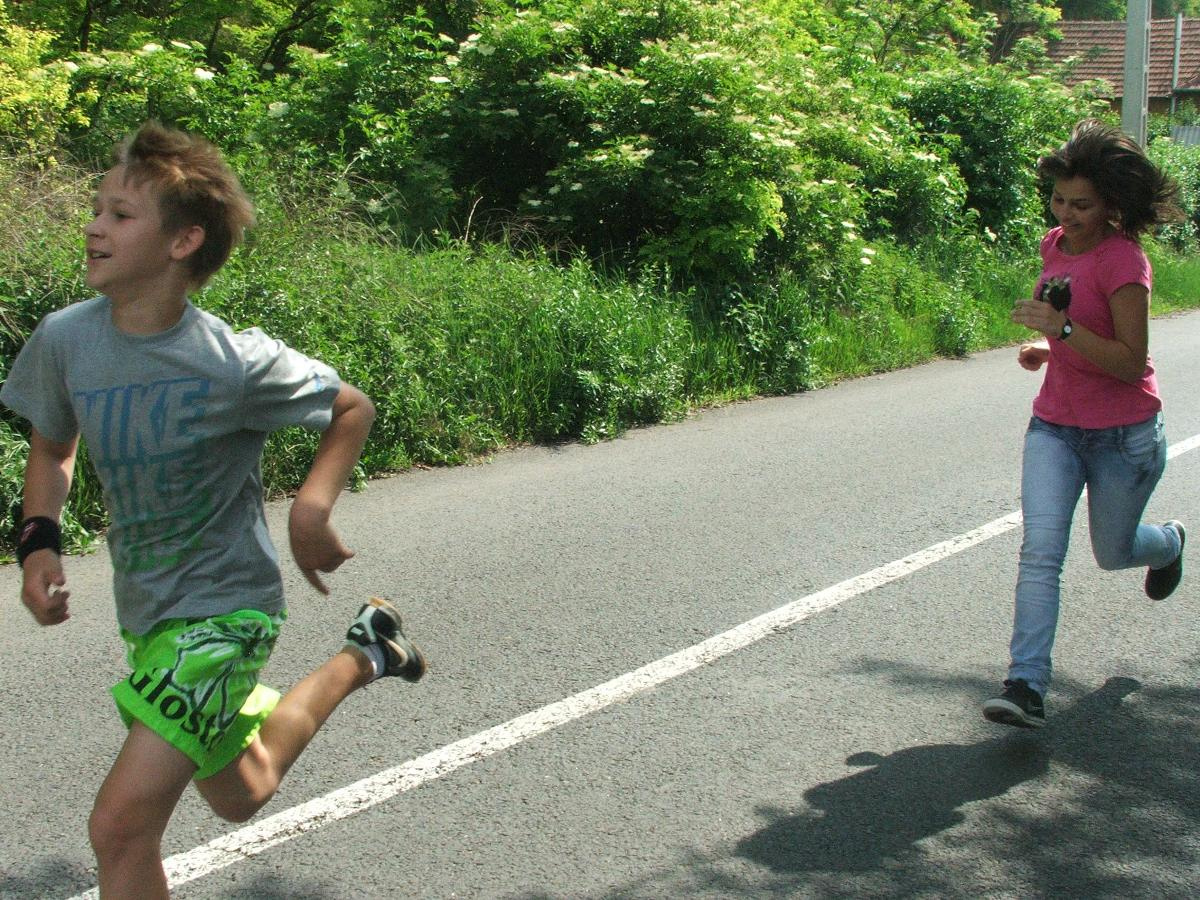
38,533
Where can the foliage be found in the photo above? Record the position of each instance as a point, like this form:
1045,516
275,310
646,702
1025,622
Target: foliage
1183,164
555,219
1176,278
1187,112
623,132
636,132
1117,9
34,92
1165,9
115,90
465,349
887,33
260,30
1014,18
40,270
994,127
705,139
1104,10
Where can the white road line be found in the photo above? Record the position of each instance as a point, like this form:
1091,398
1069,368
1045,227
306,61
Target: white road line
1183,446
362,795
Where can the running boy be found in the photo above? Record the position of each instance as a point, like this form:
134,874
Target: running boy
176,407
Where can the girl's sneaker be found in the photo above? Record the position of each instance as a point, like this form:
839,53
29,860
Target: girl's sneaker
378,623
1019,705
1161,583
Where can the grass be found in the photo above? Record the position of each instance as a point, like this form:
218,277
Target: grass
1176,281
466,349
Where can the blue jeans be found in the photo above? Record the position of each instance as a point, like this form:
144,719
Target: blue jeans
1120,467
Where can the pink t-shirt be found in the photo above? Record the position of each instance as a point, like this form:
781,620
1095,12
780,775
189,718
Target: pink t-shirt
1075,391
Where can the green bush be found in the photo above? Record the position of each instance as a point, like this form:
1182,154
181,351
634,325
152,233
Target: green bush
34,92
463,351
1183,164
115,91
1187,112
699,138
41,258
469,348
911,193
776,325
708,140
994,127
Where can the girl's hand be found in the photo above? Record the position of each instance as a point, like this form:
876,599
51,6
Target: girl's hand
1040,317
41,590
1033,356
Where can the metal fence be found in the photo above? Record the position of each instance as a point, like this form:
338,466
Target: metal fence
1188,135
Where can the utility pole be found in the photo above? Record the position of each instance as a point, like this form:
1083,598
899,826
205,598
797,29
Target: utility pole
1135,101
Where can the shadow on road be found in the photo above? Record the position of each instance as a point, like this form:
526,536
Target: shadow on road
857,822
1103,802
854,823
1138,780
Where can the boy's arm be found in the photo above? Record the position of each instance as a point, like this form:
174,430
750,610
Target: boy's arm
316,547
48,474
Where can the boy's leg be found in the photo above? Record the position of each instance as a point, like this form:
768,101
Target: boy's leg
131,814
244,786
241,788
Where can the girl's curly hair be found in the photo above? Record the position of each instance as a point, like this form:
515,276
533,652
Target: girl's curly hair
1134,188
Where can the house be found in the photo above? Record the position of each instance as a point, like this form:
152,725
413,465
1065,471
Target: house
1098,50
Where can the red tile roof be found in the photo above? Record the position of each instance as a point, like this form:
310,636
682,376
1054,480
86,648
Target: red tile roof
1100,51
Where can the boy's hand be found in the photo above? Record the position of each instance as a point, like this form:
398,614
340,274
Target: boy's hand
41,589
316,547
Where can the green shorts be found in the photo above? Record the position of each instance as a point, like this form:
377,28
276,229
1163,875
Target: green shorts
195,684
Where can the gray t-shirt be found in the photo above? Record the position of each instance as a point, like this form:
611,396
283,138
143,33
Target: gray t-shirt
175,424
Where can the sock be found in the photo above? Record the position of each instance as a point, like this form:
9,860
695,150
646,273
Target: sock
378,657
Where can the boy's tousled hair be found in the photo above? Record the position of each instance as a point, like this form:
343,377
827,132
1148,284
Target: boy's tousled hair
195,186
1138,191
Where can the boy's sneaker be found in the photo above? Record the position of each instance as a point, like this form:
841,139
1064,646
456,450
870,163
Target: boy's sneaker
1019,705
1160,583
378,623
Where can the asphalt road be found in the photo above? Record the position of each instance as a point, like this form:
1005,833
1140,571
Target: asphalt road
838,754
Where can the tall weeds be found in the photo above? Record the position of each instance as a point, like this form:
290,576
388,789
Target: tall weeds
469,348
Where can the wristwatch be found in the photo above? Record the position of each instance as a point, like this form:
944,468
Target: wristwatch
1067,329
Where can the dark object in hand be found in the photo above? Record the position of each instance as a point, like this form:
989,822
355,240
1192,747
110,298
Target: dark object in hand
1056,292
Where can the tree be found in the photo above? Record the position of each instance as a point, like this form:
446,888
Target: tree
261,29
1168,9
1015,19
883,28
1104,10
1115,10
33,95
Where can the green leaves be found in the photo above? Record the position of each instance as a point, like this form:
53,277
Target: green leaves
716,139
993,127
1182,163
34,91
